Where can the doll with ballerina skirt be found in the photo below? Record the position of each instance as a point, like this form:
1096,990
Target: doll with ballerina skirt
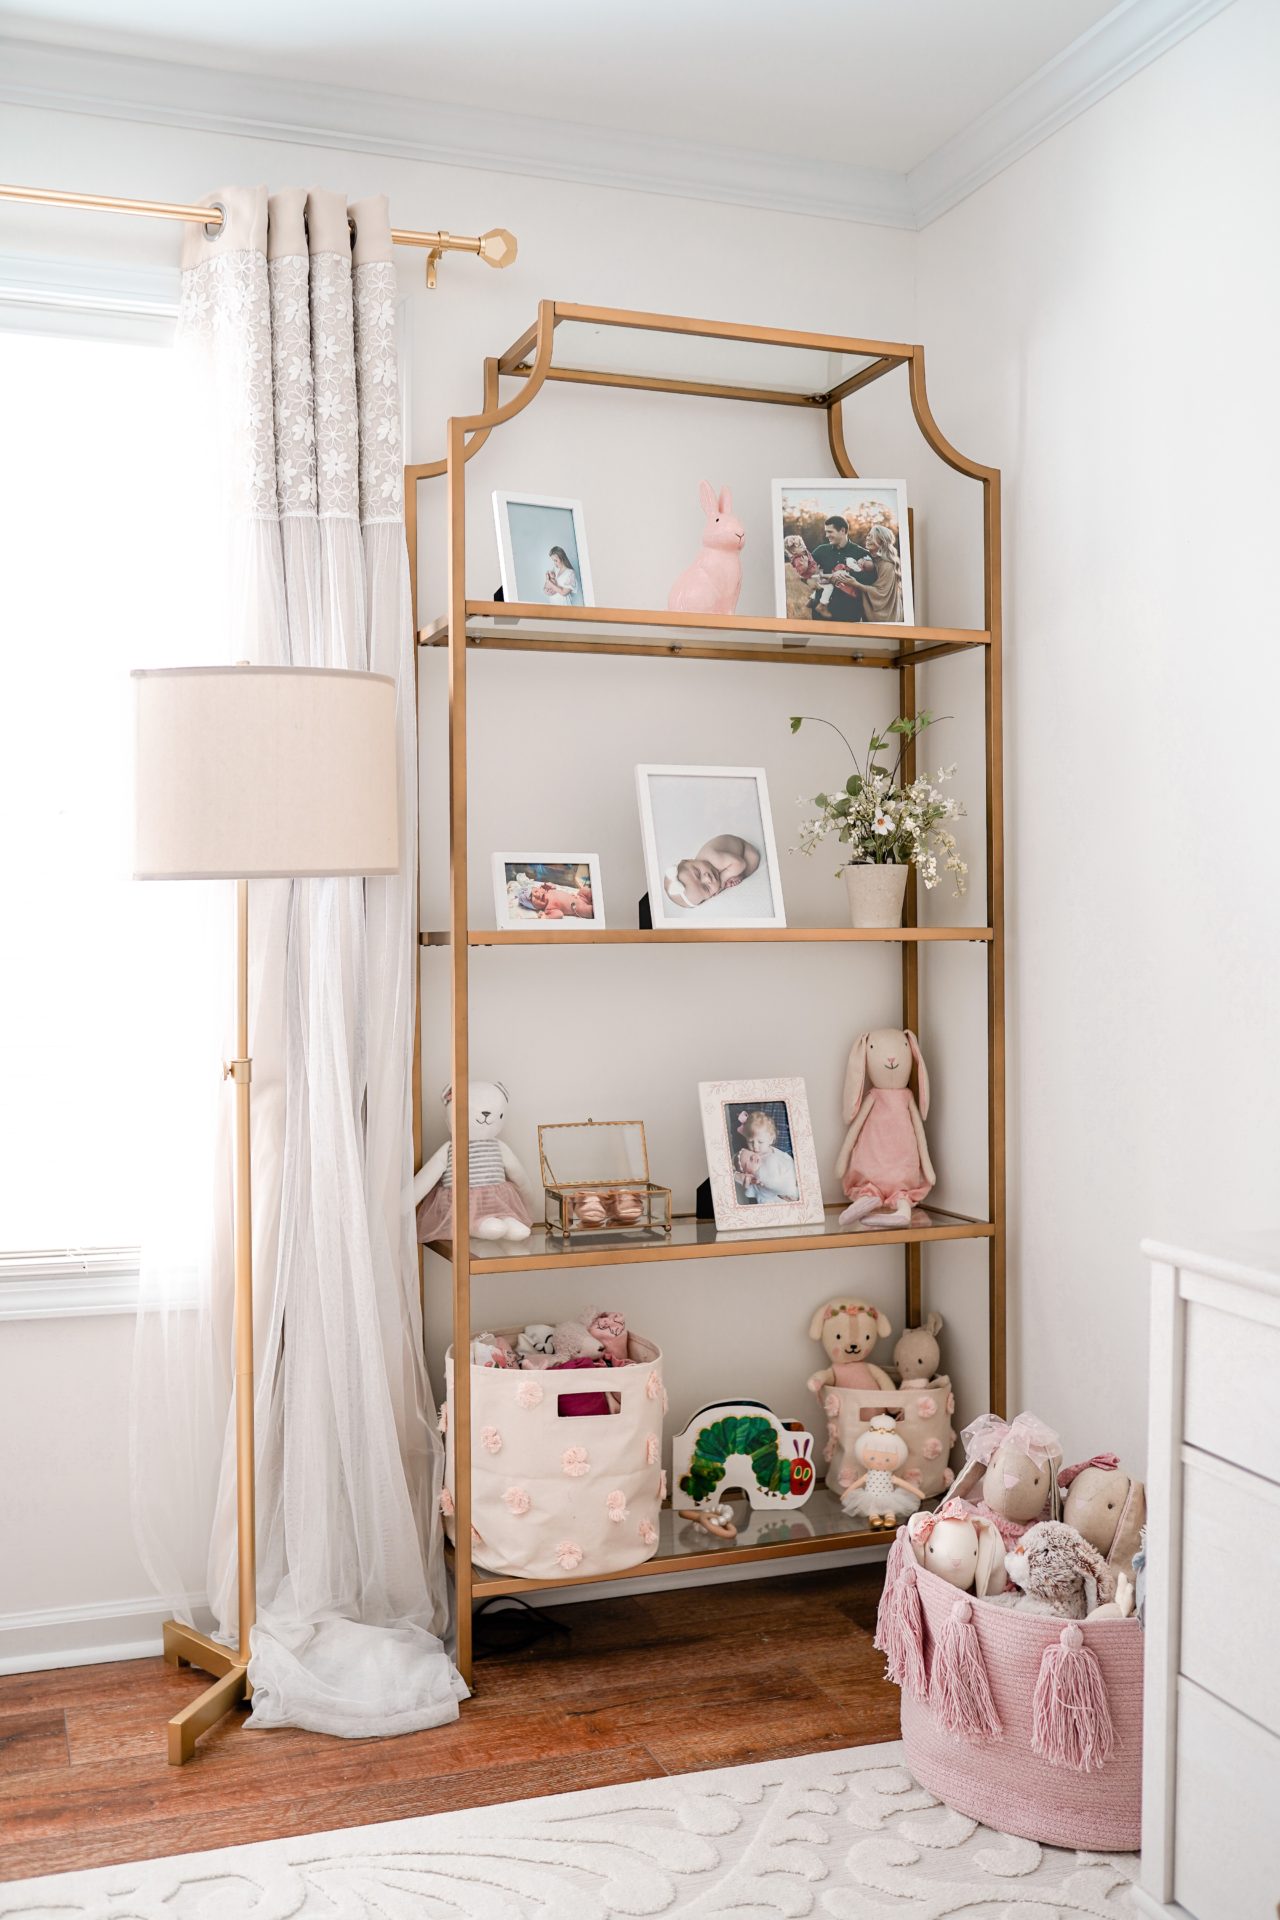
498,1187
879,1494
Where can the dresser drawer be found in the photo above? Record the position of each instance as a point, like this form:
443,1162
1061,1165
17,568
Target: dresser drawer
1230,1580
1231,1403
1226,1856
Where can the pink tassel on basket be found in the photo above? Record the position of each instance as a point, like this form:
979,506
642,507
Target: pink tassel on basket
1070,1717
959,1690
899,1627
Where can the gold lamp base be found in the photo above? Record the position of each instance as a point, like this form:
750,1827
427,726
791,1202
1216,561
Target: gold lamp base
184,1647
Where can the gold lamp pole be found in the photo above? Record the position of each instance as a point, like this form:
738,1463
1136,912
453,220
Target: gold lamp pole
255,773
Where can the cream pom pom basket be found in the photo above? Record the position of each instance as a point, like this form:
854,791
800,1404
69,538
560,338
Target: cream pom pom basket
553,1494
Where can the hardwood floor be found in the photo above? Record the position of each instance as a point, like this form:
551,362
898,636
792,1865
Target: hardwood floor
667,1682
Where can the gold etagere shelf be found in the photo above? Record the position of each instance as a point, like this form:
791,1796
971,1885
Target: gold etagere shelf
628,351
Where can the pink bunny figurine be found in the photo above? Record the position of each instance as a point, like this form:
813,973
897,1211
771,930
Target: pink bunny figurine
714,580
884,1165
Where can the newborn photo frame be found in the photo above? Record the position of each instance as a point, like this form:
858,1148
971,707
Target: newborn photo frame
709,853
760,1154
554,890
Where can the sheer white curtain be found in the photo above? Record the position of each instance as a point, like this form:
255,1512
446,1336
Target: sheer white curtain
296,334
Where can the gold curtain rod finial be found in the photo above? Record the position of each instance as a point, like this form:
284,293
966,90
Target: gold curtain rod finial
498,247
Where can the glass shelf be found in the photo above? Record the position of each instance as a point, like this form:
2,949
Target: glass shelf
692,1239
567,934
529,626
819,1526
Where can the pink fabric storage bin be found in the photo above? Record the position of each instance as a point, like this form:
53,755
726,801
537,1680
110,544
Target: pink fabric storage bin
556,1491
923,1417
1001,1780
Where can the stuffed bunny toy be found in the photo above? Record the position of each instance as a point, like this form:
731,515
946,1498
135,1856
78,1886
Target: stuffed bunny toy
1107,1506
848,1330
917,1355
884,1165
712,583
1020,1459
499,1187
878,1494
960,1545
1051,1565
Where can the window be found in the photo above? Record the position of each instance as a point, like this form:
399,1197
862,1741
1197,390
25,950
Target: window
109,563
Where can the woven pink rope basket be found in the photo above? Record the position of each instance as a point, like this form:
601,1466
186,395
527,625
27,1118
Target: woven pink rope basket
1001,1780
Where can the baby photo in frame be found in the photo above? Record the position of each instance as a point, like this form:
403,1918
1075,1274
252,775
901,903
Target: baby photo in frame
542,549
842,552
709,853
555,890
760,1154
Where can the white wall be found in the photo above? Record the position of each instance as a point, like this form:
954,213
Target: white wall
1099,322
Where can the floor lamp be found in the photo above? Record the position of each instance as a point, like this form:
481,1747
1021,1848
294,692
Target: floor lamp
253,773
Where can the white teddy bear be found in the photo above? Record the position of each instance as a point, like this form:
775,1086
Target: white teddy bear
498,1187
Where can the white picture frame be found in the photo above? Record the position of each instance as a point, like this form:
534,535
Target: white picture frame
732,1130
531,528
511,872
798,505
723,814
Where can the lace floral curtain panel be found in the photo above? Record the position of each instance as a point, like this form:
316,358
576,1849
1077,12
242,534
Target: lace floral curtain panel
293,332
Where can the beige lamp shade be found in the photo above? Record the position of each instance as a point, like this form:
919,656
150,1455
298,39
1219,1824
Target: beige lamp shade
247,773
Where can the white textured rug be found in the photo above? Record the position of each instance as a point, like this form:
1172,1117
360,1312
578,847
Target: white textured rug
847,1835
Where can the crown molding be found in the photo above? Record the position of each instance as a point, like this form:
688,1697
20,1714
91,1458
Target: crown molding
1121,44
171,93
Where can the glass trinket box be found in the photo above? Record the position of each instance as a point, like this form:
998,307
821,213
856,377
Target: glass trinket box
595,1176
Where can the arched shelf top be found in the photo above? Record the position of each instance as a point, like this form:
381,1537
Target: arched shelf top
622,348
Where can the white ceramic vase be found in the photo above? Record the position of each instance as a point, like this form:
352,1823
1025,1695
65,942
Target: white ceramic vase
876,894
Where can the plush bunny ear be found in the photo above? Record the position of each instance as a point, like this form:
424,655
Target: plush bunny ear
922,1074
1092,1563
855,1076
989,1575
707,495
933,1324
726,501
502,1090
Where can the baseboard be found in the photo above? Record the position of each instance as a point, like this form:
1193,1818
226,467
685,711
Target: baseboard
130,1629
81,1636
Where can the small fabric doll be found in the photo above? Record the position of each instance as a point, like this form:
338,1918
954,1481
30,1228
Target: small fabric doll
498,1187
879,1494
884,1165
1021,1457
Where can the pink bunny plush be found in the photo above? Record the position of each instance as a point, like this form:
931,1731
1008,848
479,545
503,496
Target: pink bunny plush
884,1164
714,580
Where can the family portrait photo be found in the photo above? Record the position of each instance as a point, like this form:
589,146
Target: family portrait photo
557,890
842,551
760,1153
542,549
710,857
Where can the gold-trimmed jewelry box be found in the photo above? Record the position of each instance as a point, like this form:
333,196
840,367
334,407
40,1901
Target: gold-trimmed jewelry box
599,1182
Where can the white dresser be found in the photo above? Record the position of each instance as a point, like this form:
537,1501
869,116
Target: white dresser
1211,1772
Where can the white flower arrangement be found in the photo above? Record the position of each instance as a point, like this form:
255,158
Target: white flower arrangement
876,821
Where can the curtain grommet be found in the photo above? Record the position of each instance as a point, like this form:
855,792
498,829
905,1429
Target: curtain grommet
212,231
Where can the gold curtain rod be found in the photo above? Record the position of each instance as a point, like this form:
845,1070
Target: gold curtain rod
497,248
